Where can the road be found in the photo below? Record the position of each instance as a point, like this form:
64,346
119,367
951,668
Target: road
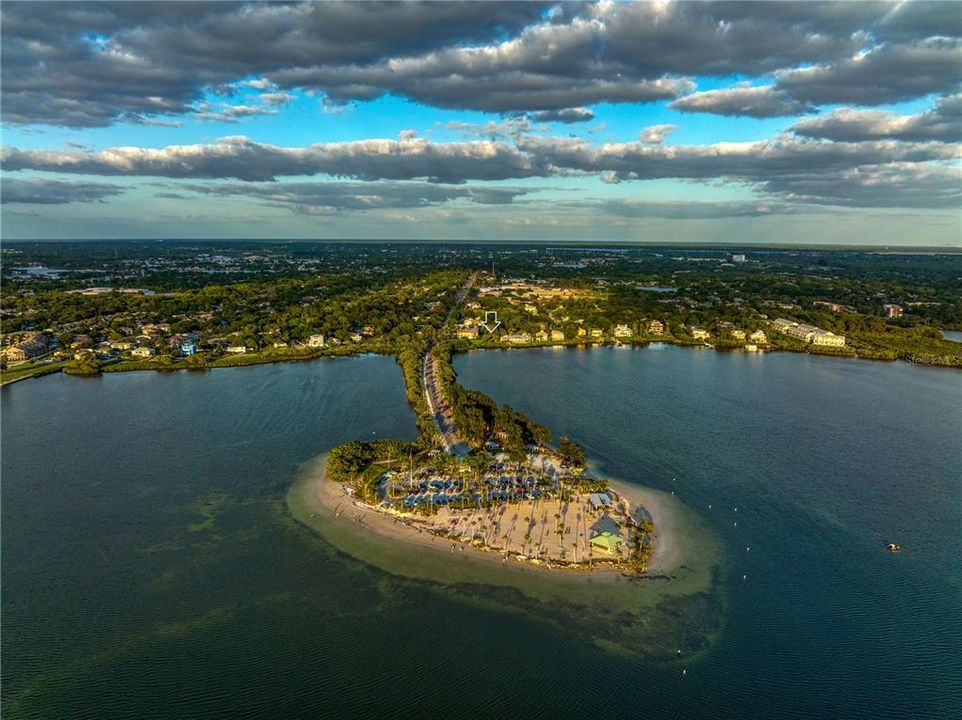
443,419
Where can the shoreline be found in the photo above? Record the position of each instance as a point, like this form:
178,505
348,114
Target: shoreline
341,506
678,603
687,559
638,344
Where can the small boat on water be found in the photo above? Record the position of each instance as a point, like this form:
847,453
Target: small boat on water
893,548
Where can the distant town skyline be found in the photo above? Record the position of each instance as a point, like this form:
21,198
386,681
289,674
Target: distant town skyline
736,123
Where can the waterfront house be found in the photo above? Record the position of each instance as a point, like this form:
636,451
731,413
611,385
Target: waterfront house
738,334
582,332
142,352
782,325
517,339
802,331
596,333
557,336
622,331
699,333
759,337
829,339
656,327
315,341
466,332
541,336
237,349
14,354
189,347
33,347
356,337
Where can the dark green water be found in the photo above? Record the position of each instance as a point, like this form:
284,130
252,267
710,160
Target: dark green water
149,569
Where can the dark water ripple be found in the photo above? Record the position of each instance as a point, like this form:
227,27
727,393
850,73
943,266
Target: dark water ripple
149,570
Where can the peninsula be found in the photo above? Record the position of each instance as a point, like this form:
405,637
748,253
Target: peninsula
483,478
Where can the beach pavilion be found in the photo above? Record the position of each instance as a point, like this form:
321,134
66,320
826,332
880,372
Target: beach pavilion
607,542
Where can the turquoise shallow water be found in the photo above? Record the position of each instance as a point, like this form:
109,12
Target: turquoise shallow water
150,570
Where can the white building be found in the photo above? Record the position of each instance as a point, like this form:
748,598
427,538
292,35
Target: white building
824,337
622,331
801,331
315,341
782,325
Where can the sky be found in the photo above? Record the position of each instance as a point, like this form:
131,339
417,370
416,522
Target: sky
653,122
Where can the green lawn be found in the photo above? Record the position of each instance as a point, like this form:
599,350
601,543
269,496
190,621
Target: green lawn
29,370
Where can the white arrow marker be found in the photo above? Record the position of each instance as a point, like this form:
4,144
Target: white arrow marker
491,316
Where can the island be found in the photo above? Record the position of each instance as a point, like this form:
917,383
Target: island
541,512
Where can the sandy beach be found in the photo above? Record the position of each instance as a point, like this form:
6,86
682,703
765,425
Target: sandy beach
341,508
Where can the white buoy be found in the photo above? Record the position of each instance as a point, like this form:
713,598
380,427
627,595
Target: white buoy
709,506
744,578
748,549
735,525
684,672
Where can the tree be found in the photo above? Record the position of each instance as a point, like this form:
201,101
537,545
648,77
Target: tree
571,453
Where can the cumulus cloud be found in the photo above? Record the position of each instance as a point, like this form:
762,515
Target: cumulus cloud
943,122
232,113
511,126
886,74
656,134
42,191
780,166
277,99
565,115
900,184
746,161
311,198
757,102
91,64
82,64
243,159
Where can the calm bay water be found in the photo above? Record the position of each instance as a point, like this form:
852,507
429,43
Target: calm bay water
150,570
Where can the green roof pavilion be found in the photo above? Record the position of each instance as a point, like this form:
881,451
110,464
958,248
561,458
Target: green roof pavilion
606,541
